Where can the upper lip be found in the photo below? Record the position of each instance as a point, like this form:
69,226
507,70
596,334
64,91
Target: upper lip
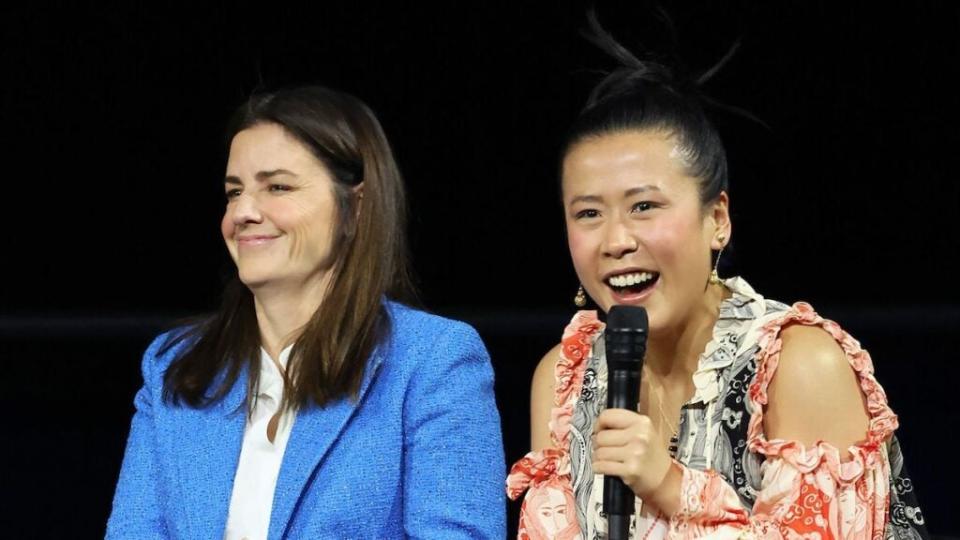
622,271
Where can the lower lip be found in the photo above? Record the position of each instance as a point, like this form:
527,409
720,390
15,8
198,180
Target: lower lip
255,242
635,298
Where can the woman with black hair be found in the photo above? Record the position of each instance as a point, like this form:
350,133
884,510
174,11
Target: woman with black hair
756,418
313,404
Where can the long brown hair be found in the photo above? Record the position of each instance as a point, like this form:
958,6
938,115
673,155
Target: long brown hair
328,358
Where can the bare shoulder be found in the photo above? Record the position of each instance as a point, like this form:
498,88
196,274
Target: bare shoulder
543,376
815,394
541,399
810,354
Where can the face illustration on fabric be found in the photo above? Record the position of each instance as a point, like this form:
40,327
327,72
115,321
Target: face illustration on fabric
554,517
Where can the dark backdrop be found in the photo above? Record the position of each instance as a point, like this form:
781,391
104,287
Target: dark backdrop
113,157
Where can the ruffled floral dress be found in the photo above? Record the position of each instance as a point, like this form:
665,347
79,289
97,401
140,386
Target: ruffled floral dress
736,483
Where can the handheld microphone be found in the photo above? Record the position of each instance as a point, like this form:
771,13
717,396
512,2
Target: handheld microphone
626,343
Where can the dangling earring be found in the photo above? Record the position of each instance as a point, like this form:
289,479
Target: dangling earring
581,298
714,277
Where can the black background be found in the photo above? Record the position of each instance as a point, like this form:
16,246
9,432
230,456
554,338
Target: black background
113,159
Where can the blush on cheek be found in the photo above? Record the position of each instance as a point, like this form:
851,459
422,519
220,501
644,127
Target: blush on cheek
581,253
226,226
670,238
576,243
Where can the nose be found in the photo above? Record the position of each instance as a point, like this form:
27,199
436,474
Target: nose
618,241
245,210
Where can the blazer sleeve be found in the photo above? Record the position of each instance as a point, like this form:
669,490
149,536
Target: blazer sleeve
136,503
453,451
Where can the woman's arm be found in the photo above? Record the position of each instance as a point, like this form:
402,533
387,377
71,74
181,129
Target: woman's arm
548,509
821,424
822,431
814,395
136,505
453,450
541,400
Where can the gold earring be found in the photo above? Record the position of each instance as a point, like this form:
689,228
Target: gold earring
714,277
581,298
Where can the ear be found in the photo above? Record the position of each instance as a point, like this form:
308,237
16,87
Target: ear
719,216
358,193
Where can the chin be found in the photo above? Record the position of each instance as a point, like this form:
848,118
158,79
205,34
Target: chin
255,278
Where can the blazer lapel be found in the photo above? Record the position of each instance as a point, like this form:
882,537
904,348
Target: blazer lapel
314,431
209,445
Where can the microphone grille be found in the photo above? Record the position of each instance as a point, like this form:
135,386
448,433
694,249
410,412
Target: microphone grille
628,318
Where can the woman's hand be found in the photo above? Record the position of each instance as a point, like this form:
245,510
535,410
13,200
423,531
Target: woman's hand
626,444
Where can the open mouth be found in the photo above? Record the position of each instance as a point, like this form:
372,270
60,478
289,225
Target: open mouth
632,283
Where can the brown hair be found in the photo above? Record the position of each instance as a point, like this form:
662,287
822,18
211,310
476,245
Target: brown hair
328,359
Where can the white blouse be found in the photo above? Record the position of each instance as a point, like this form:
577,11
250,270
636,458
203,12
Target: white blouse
256,478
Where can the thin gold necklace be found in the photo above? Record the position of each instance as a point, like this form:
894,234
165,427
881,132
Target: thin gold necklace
674,434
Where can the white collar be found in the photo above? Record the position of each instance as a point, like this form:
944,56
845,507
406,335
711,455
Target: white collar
271,379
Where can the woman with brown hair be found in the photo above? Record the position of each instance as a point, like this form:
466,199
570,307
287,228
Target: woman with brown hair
313,404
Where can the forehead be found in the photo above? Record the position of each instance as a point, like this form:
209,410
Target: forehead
619,161
556,497
267,145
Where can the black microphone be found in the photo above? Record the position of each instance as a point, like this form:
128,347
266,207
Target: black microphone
626,343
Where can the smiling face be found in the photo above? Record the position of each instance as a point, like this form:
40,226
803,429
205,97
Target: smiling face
281,214
637,231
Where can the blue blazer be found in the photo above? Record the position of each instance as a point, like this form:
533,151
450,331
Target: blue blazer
418,454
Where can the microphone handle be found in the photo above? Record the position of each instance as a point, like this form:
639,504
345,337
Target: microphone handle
623,392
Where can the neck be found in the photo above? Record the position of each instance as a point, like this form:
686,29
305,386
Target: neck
283,310
673,354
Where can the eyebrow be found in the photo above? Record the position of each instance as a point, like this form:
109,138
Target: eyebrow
628,193
260,176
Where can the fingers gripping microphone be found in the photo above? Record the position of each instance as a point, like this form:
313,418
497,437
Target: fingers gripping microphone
626,342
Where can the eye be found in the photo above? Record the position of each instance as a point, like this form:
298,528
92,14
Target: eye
232,193
643,206
279,188
587,214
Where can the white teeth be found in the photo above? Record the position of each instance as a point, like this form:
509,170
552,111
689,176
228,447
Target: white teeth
625,280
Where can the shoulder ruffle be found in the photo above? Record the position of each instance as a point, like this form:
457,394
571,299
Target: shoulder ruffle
883,421
539,466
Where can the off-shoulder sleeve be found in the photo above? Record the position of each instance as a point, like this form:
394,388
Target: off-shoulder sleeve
806,492
549,509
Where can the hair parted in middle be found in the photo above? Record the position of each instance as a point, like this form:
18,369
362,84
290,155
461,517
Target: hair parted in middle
328,358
